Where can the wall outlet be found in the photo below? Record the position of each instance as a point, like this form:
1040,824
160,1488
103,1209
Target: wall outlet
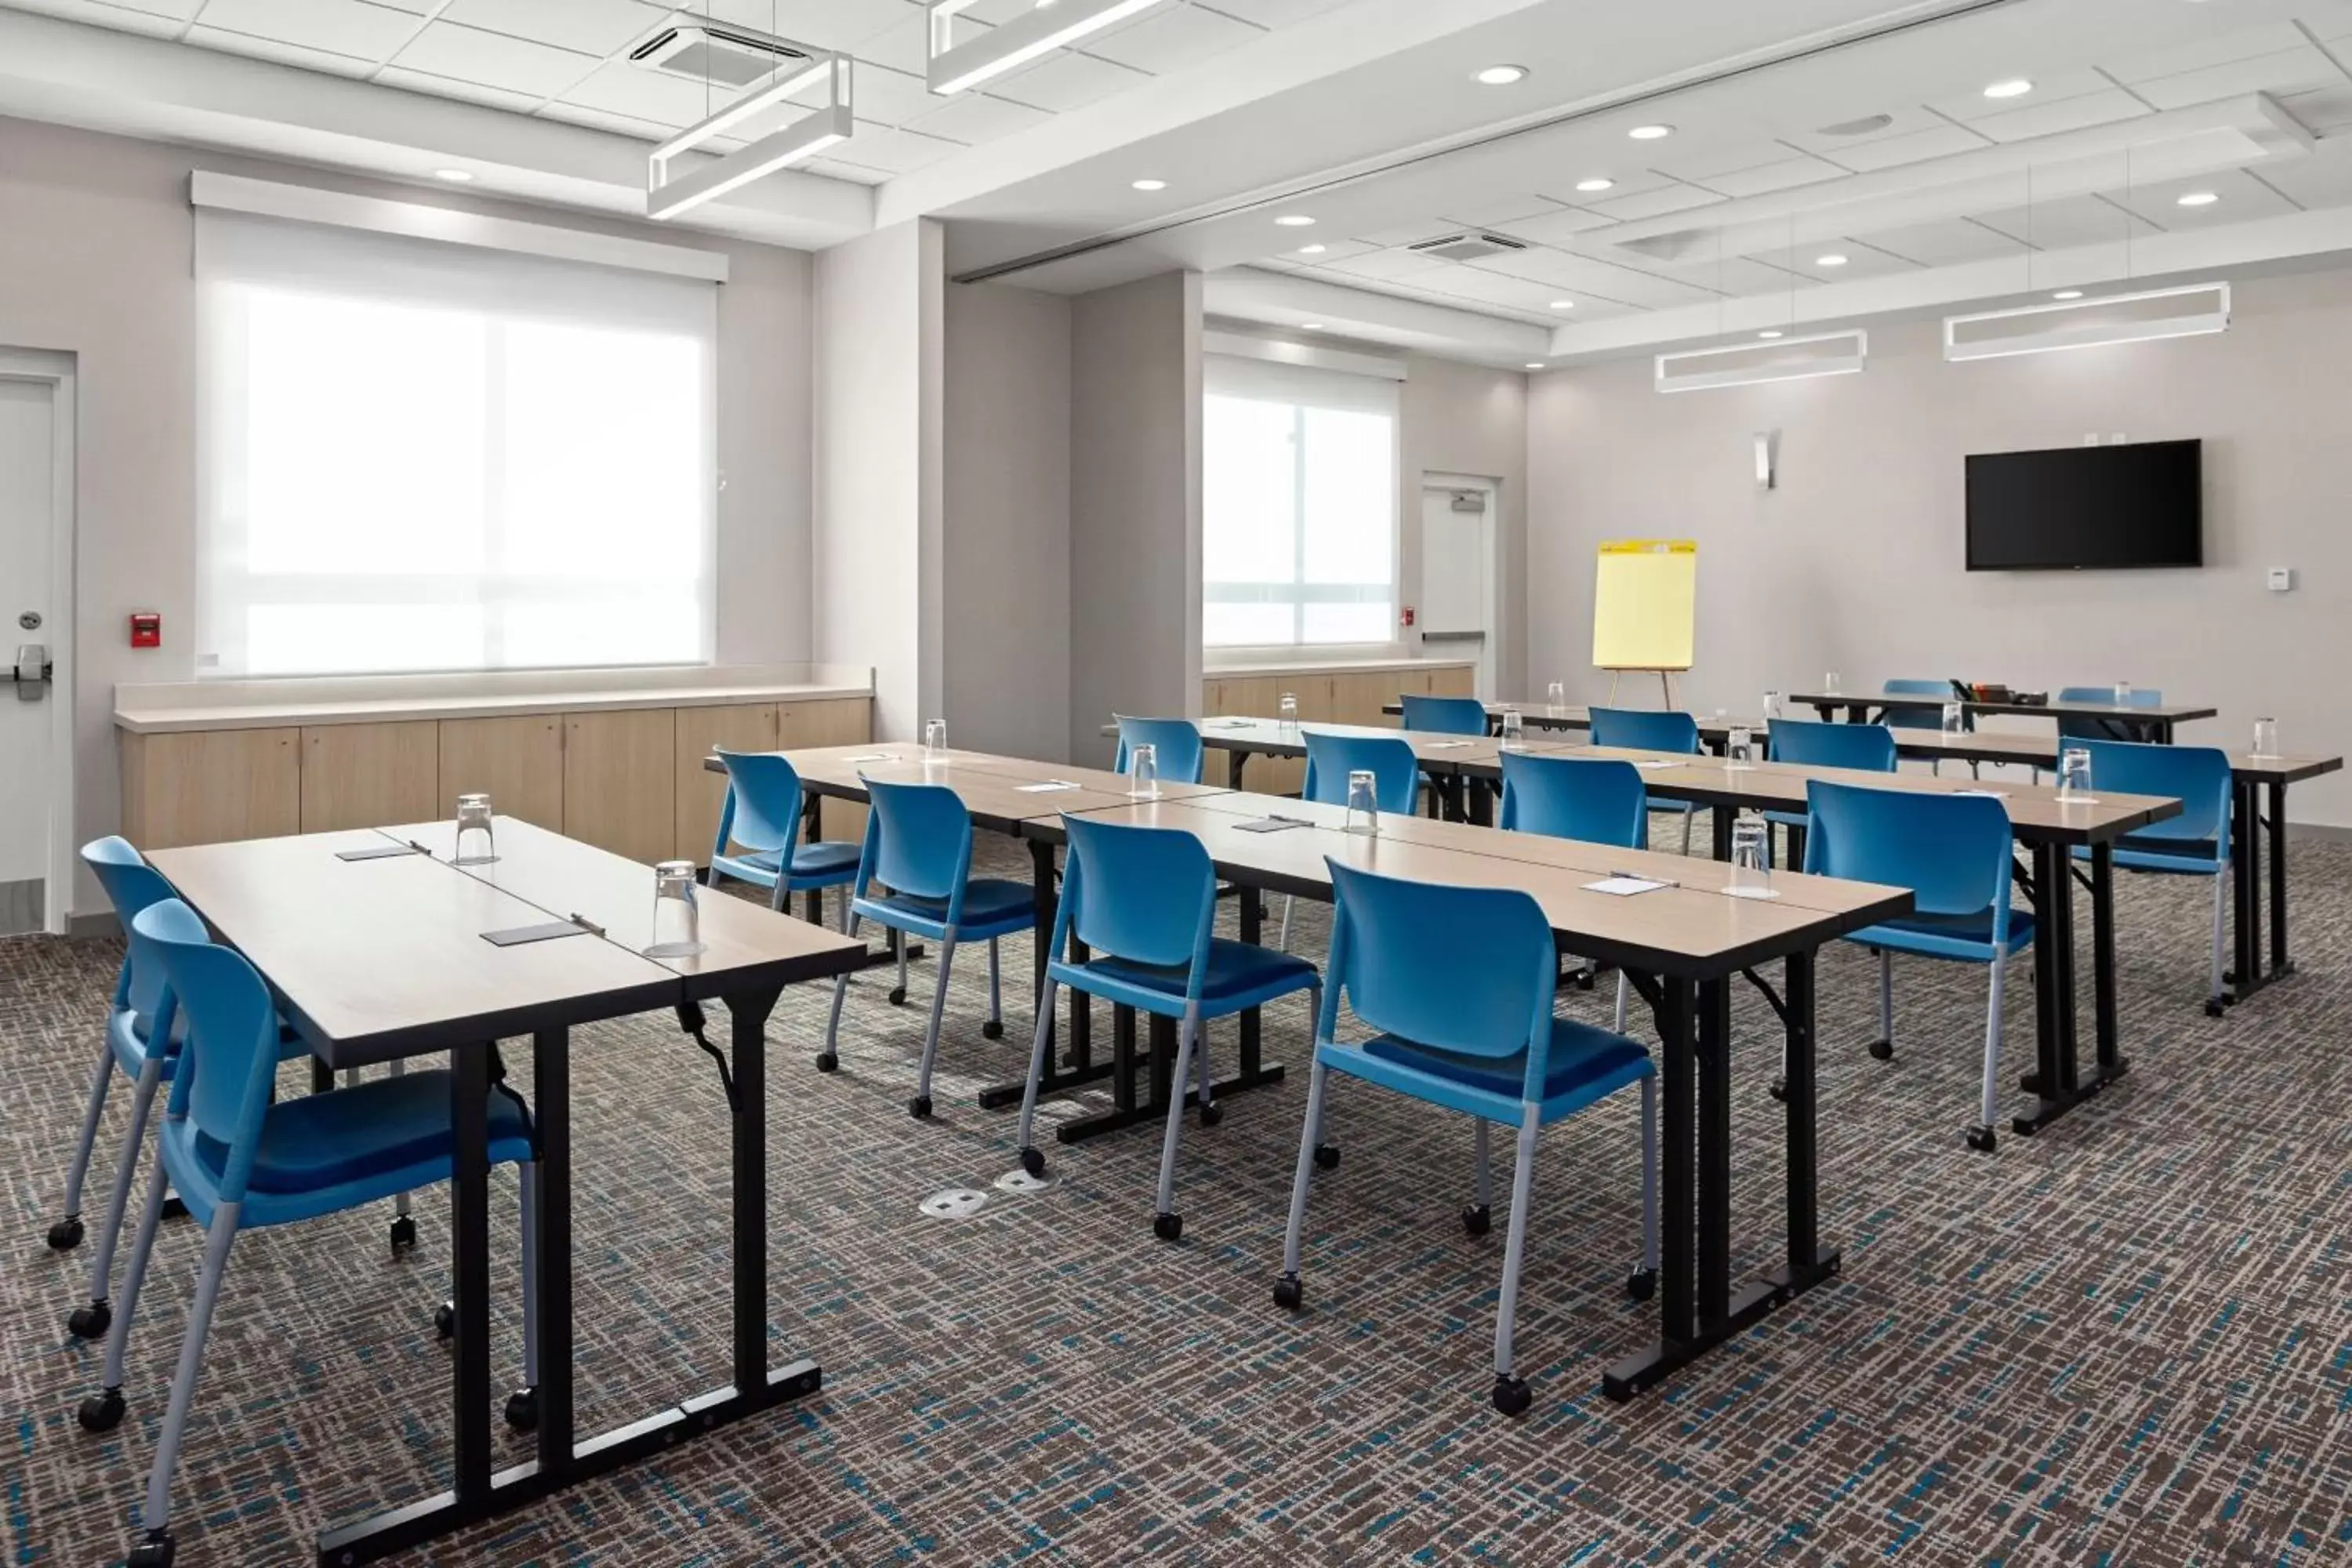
2282,579
2116,439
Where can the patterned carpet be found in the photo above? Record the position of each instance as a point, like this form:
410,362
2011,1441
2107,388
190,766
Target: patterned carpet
2124,1342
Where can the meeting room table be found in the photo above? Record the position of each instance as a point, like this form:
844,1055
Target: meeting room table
374,943
2126,721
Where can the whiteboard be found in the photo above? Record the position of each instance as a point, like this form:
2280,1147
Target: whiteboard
1645,603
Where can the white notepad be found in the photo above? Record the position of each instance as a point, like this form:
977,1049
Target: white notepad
1653,762
1445,745
1045,787
873,757
1624,887
1995,794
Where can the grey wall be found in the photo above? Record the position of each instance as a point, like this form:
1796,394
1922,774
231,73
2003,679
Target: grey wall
1135,505
1856,562
96,244
875,560
1007,533
1457,418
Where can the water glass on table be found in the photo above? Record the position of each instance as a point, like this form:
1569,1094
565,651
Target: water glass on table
2074,774
2123,694
1739,748
1752,861
475,843
1555,697
1771,706
1289,711
1363,803
1515,729
1143,771
935,739
678,911
1830,684
1955,718
2266,741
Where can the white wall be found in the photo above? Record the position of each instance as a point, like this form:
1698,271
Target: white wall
95,239
1006,526
875,560
1466,419
1135,505
1856,562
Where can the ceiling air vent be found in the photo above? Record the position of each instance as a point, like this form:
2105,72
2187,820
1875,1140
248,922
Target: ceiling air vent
696,49
1467,247
1869,125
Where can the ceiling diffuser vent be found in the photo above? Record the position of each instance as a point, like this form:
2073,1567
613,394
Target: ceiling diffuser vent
1869,125
695,49
1467,247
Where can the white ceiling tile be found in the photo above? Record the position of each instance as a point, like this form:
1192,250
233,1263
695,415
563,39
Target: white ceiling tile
1490,288
827,23
338,26
2218,47
466,91
1893,151
605,120
2321,179
1065,81
1665,199
1741,275
2049,87
1501,213
898,151
1272,13
469,53
1395,262
123,18
620,88
1703,167
1862,261
857,174
2290,70
2243,198
1581,274
2065,222
2326,112
1404,233
1333,251
1764,178
975,117
2063,114
1556,228
1169,37
906,46
1906,121
1943,243
591,26
1624,181
996,13
886,96
272,49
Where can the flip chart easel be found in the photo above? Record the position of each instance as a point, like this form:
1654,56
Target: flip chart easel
1645,609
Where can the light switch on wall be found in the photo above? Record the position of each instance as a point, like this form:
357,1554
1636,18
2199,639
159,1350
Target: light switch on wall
2282,579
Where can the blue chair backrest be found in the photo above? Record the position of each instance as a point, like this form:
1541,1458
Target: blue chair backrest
2088,727
1396,772
762,809
1919,718
1951,851
1177,742
917,840
230,1058
2196,777
1869,747
131,885
1445,715
1145,894
1599,799
1644,729
1470,970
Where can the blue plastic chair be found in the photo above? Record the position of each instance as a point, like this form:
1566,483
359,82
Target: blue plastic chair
1457,985
1175,742
2194,844
1595,800
761,817
1811,743
1444,715
130,1047
240,1162
1649,729
1953,851
1925,718
1144,901
2084,727
1330,758
918,849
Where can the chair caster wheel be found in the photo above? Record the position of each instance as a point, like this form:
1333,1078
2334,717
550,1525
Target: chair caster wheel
155,1552
827,1062
1883,1049
101,1412
1642,1284
898,995
1477,1218
522,1410
1288,1293
91,1322
445,1321
919,1108
1326,1155
1512,1397
2215,1008
404,1234
65,1235
174,1206
1167,1226
1781,1089
993,1030
1585,977
1032,1161
1981,1139
1211,1114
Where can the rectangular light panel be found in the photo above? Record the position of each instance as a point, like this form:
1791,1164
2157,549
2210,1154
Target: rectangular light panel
2194,309
1046,25
1754,365
804,138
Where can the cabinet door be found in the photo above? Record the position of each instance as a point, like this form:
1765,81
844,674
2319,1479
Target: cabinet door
620,781
836,721
211,786
1458,682
747,727
370,775
516,761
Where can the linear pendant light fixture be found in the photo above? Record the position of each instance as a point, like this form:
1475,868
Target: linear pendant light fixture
1753,364
1047,25
2193,310
803,137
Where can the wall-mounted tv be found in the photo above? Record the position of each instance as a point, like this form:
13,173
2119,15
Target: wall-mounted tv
2087,507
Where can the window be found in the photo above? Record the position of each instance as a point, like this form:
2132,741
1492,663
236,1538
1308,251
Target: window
1298,506
418,457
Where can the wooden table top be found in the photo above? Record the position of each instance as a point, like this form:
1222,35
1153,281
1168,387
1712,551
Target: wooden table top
2042,751
1576,716
745,943
991,788
2162,713
1271,737
1692,931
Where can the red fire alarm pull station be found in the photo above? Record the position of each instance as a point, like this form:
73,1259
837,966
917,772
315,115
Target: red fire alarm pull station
1408,615
146,628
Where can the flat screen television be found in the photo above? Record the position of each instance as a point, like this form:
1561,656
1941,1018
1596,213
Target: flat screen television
2087,507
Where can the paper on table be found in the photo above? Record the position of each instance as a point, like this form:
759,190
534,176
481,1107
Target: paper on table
1653,762
1624,887
1045,787
873,757
1270,824
1995,794
1445,745
1232,724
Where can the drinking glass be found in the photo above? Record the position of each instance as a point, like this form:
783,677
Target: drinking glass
476,843
1739,748
677,912
1289,711
1830,684
1143,771
1515,729
1556,696
1363,803
2075,774
2266,738
2123,693
1771,706
1955,715
1751,865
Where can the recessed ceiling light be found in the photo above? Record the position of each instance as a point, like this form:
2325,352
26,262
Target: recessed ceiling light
1595,184
1535,365
1501,76
1313,249
2014,87
1649,132
2199,199
2067,294
1831,259
1150,184
1770,332
1295,220
454,176
1563,304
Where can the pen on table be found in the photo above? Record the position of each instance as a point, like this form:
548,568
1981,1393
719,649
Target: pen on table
1638,876
1293,821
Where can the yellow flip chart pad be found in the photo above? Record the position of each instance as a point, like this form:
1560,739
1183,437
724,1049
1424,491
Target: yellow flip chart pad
1645,603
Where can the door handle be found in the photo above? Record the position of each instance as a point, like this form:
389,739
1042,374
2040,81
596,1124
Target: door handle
32,671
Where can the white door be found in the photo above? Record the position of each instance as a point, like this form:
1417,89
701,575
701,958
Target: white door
28,516
1457,548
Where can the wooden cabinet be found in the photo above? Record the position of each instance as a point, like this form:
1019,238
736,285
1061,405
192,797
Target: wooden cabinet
743,727
1325,697
836,721
208,786
620,781
370,775
1460,680
516,761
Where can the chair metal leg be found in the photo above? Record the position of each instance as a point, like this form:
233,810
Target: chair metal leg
1688,816
68,1231
1288,1290
995,992
1620,1025
1511,1396
1166,1223
1033,1160
522,1404
1211,1113
394,1068
1883,1048
89,1322
921,1104
104,1410
1283,943
217,1237
900,943
1981,1135
830,1057
2213,992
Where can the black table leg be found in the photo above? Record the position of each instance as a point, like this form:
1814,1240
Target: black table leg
1253,1024
469,1270
2245,889
1481,803
1803,1090
1129,1108
550,1104
1081,1067
1235,761
2280,964
1714,1155
322,1076
2102,961
748,1013
2058,1081
1721,819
